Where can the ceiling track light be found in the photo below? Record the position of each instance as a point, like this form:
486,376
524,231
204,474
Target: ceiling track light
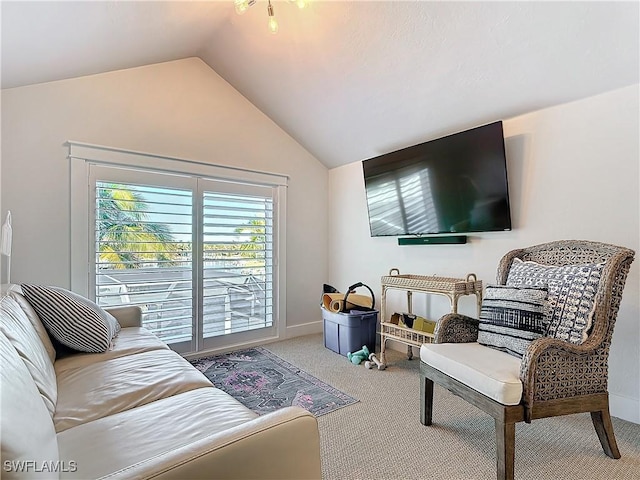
243,5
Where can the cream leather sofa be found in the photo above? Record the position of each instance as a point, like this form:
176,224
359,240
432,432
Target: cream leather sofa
136,411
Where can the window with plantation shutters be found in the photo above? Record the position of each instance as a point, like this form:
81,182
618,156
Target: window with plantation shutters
195,247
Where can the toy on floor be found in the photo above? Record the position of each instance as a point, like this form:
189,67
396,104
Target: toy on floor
358,357
373,360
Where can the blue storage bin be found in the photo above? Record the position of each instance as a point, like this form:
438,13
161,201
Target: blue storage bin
348,332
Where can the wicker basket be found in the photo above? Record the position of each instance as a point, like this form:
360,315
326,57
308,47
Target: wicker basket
460,286
405,335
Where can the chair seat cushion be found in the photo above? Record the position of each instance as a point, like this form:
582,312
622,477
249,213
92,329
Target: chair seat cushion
491,372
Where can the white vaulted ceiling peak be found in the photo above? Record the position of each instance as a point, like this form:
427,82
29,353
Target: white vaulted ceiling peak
347,80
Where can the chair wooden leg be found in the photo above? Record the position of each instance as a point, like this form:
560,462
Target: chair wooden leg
505,449
602,422
426,400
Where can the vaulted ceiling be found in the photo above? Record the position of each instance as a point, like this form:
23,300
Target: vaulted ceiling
347,80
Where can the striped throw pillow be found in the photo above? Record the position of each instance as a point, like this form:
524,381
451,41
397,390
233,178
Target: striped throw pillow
74,321
511,318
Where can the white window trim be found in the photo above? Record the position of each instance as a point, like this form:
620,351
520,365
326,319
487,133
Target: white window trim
81,155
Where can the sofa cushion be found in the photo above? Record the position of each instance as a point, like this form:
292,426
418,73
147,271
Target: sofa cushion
511,318
491,372
72,320
35,321
571,297
130,340
19,330
122,440
105,388
27,428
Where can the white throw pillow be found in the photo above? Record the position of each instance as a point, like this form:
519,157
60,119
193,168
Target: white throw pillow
571,298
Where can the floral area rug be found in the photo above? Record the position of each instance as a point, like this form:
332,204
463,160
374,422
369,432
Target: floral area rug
264,382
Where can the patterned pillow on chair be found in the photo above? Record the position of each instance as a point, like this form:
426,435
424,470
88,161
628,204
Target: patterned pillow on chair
572,290
511,318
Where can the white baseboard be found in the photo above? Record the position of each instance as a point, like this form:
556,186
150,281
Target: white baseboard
625,408
303,329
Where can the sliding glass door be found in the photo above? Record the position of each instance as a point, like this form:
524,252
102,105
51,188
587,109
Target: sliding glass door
196,255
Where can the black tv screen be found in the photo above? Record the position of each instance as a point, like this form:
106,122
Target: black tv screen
454,184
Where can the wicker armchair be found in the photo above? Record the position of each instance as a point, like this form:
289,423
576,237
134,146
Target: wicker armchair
557,377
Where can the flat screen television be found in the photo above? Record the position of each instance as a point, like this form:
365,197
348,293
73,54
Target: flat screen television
454,184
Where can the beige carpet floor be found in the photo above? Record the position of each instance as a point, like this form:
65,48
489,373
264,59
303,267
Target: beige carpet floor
381,436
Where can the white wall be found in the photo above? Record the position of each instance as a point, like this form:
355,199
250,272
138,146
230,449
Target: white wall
181,109
573,174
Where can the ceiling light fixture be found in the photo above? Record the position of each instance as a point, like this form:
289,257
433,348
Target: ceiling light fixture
273,23
243,5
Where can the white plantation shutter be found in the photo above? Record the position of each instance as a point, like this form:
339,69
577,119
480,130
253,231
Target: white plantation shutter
237,240
194,245
144,254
